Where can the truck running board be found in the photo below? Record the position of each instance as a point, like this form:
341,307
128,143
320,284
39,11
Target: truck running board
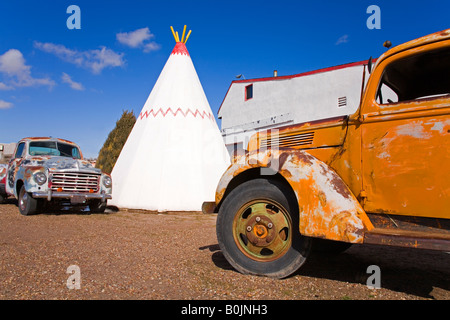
406,238
413,232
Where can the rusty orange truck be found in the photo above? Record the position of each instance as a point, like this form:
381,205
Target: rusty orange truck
378,176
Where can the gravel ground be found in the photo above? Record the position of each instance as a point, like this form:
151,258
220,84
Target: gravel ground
141,255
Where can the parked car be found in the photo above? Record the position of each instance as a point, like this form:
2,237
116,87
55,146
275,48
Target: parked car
50,170
3,195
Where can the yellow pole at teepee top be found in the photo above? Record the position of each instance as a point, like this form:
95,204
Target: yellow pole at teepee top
177,36
184,33
173,32
189,33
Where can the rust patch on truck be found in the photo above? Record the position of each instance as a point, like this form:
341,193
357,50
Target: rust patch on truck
327,208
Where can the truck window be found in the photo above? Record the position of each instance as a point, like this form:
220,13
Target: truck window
68,150
43,148
52,148
386,95
421,76
19,151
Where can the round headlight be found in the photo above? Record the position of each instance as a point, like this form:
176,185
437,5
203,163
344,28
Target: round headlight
107,182
40,178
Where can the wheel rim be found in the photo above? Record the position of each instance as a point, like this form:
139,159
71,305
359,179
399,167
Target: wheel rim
262,230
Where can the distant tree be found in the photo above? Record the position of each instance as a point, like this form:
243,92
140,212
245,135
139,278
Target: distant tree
110,151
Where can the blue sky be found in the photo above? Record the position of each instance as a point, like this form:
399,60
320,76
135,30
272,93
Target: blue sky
74,84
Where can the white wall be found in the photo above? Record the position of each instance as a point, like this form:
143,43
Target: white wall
8,152
277,102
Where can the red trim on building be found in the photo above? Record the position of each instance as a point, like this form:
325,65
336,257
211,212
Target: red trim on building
342,66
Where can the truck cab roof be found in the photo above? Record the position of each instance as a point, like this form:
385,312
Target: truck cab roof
434,37
47,138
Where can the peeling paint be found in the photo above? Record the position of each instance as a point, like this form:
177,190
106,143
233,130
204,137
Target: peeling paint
405,159
328,209
413,129
438,126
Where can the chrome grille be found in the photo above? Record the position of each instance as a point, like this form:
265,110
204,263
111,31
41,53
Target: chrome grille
75,182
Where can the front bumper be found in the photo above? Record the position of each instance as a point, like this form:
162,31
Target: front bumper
49,195
209,208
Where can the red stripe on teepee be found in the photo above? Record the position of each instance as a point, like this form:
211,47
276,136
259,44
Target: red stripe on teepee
152,112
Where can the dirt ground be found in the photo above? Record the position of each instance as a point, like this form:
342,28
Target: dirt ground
137,255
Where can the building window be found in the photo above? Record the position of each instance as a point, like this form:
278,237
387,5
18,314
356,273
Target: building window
248,92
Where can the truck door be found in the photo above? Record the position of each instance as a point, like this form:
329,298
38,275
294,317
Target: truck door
406,134
14,164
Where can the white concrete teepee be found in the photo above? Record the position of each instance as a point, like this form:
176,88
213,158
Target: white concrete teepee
175,154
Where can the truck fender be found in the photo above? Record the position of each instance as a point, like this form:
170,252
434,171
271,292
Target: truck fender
327,207
22,177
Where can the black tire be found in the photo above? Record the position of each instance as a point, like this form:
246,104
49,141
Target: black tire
273,203
97,206
27,204
3,198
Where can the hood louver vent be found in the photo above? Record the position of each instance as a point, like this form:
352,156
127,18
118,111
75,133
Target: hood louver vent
288,141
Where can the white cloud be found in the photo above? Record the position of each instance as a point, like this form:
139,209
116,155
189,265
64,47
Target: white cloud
5,86
343,39
135,38
138,38
152,46
17,73
5,105
74,85
95,60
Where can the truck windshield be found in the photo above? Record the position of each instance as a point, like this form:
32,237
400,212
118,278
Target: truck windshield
53,148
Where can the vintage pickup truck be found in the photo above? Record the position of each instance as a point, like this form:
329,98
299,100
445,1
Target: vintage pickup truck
53,170
378,176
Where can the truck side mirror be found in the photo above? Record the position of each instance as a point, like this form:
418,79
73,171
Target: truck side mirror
369,65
